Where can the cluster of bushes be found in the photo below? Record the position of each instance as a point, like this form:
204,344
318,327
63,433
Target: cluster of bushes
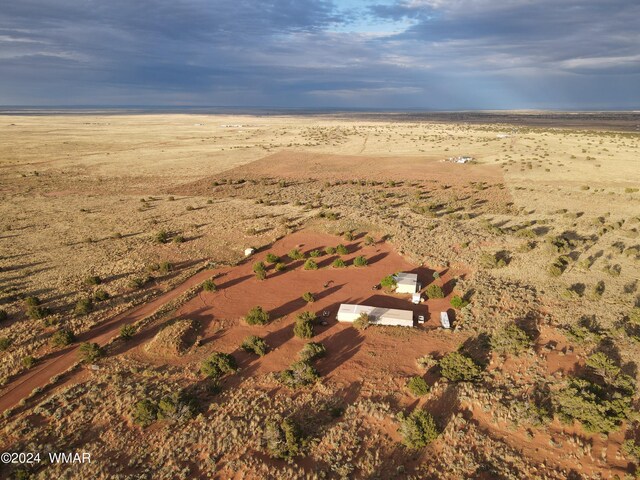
90,352
303,328
260,270
600,399
511,339
418,429
218,364
299,374
311,351
175,407
255,344
62,338
257,316
35,309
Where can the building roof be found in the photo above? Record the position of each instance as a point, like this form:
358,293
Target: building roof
406,278
376,312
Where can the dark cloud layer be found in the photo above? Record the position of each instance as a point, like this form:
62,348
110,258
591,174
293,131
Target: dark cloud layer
442,54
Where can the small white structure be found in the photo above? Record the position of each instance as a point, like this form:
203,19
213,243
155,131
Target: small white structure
377,315
416,298
406,283
444,320
249,251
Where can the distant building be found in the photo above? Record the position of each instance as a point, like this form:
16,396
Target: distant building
444,320
406,283
377,315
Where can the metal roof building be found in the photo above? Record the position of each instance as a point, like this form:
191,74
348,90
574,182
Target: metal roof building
406,282
377,315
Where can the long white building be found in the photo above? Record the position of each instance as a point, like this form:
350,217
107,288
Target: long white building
377,315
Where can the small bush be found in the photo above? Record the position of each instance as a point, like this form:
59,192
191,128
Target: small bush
338,263
3,315
310,264
458,302
32,301
434,291
178,239
418,429
308,297
255,344
271,258
311,351
29,361
283,439
295,254
162,237
342,250
360,261
303,328
459,368
209,285
83,306
100,295
260,270
218,364
315,253
5,343
299,374
257,316
38,312
511,339
369,240
93,280
348,236
127,331
279,267
90,352
62,338
426,361
330,250
389,282
145,412
362,322
417,386
138,282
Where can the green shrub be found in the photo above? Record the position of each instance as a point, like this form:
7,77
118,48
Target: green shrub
369,240
310,264
330,250
295,254
165,267
162,237
145,412
303,328
209,285
255,344
62,338
29,361
348,236
138,282
100,295
178,239
218,364
342,250
257,316
490,260
272,258
418,429
90,352
3,315
5,343
38,312
177,406
279,267
32,301
127,331
362,322
360,261
260,270
338,263
389,282
634,315
511,339
93,280
283,439
458,302
308,297
83,306
315,253
299,374
311,351
417,386
457,367
434,291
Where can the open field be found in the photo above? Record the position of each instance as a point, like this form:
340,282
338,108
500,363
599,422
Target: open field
112,220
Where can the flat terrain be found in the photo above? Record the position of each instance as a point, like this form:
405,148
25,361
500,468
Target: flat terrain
117,220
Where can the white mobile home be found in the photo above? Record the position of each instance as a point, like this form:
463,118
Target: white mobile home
406,283
377,315
444,320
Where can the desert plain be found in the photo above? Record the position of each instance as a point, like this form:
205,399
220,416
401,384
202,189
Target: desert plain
123,273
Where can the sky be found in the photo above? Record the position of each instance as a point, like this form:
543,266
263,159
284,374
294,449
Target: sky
392,54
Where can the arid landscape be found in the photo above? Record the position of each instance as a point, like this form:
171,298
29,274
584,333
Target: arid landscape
136,249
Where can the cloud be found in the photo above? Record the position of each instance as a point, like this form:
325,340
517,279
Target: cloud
443,54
